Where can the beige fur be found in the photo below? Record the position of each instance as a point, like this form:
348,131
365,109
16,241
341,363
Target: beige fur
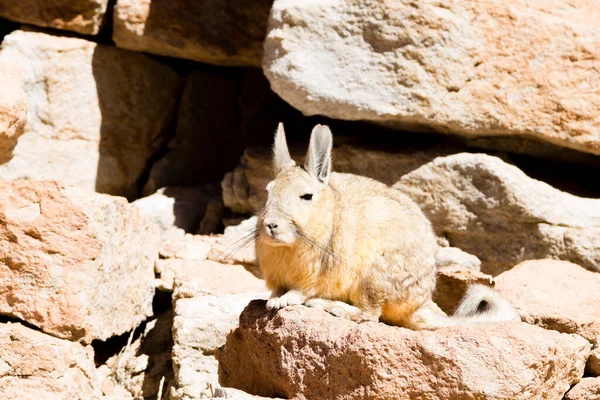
357,249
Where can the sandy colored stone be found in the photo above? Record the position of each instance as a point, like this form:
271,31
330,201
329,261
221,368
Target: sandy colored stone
96,114
494,211
236,245
553,294
82,16
234,394
587,389
452,256
177,210
36,366
593,364
140,367
207,301
244,188
452,284
180,256
78,265
443,66
222,32
207,142
13,109
306,353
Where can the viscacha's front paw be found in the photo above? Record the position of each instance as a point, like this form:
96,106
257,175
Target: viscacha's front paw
291,298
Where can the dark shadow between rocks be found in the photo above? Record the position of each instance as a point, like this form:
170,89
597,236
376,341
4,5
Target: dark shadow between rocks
6,27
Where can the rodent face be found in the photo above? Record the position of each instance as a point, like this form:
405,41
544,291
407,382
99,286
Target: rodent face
294,200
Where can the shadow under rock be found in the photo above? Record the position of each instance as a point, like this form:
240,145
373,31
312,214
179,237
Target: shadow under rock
138,97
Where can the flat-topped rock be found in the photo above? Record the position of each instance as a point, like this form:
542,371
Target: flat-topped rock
305,353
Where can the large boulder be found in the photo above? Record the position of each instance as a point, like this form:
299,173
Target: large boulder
300,352
38,366
494,211
82,16
555,295
222,32
96,114
444,67
78,265
208,300
13,109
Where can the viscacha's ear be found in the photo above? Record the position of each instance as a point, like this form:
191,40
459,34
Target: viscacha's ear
318,157
281,153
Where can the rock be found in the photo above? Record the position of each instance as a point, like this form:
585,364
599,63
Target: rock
443,67
224,33
141,366
587,389
82,16
593,364
229,393
481,204
207,125
213,217
452,284
555,295
180,255
450,256
177,210
236,245
207,304
13,109
244,188
96,114
300,352
38,366
78,265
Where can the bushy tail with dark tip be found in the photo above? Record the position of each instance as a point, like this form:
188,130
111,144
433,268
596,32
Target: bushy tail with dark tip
483,304
480,305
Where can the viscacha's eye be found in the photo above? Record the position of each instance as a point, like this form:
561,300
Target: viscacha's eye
307,196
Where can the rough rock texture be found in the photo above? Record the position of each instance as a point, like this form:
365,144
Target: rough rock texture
13,109
78,265
96,114
593,364
244,188
180,256
587,389
206,143
216,32
308,354
82,16
230,393
38,366
452,284
207,304
451,256
491,209
555,295
140,366
236,245
443,66
177,210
